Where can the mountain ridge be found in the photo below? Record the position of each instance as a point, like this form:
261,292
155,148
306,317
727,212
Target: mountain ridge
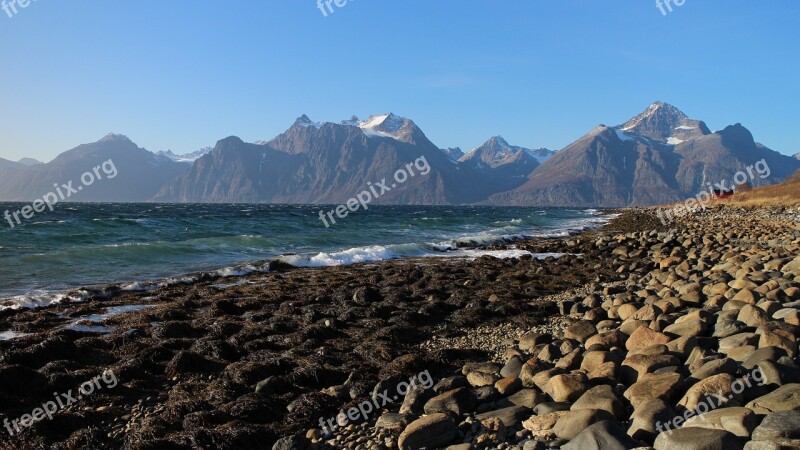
658,156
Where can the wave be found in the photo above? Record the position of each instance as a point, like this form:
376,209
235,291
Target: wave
252,243
355,255
41,298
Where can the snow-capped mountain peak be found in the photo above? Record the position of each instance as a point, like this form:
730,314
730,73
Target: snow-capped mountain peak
497,151
664,123
353,121
391,126
384,123
305,121
114,137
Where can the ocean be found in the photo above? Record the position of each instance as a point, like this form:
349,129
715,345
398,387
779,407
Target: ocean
52,256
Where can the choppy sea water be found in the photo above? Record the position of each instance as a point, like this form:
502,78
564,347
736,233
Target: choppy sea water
138,246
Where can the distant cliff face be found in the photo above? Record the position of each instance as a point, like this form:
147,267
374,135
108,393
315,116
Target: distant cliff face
658,156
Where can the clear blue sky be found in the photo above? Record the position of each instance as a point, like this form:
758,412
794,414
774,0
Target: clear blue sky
183,74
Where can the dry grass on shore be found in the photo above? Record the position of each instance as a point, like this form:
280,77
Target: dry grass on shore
784,194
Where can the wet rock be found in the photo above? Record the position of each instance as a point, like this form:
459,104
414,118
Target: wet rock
644,337
715,367
565,388
697,439
436,430
511,416
600,397
512,367
782,428
541,426
291,443
713,390
785,398
695,327
752,316
450,383
607,340
392,421
493,432
415,399
661,386
648,417
459,401
636,366
728,328
508,385
483,367
763,354
573,422
526,397
570,361
737,420
580,330
530,340
605,435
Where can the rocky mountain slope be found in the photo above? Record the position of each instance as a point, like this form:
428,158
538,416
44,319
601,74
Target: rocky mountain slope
315,162
659,156
6,164
503,165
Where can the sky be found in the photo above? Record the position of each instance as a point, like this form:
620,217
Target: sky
183,74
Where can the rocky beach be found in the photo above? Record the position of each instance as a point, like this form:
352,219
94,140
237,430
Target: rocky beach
640,335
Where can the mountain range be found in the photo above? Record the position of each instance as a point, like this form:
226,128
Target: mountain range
658,156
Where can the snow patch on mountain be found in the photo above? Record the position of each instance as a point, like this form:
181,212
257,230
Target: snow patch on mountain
453,153
674,141
541,154
187,157
384,125
623,136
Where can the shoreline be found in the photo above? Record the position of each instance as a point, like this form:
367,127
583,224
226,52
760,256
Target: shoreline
457,247
256,361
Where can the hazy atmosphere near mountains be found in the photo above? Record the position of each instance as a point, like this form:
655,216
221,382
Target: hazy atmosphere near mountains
411,225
